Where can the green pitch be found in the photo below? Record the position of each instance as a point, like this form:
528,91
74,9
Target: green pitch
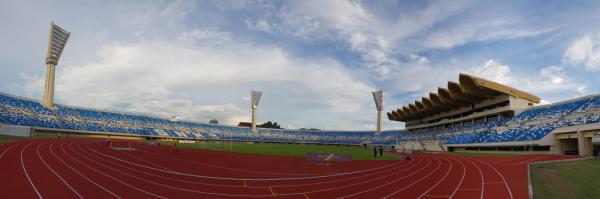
297,150
577,179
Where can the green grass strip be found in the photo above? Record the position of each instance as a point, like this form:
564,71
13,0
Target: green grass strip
576,179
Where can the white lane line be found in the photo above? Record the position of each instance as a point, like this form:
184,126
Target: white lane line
52,170
8,148
220,167
461,179
501,176
109,176
367,181
439,181
482,179
152,182
228,168
415,182
527,161
402,178
240,186
249,179
146,161
85,177
27,174
284,194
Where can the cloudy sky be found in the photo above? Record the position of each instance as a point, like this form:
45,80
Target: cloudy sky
316,61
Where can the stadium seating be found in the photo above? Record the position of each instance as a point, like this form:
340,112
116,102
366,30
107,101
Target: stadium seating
532,124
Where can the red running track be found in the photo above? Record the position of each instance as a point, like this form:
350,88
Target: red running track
87,168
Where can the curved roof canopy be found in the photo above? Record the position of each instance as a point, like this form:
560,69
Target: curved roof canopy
470,89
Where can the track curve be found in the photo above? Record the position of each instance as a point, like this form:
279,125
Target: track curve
87,168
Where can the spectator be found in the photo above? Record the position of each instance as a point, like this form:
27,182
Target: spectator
374,151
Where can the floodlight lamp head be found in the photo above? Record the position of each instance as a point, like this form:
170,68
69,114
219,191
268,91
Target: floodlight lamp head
56,44
378,97
255,97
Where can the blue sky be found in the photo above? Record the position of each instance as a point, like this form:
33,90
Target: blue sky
316,60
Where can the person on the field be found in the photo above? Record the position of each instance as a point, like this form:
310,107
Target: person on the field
374,151
381,151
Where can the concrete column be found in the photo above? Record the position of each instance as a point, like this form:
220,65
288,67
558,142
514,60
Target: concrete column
557,147
580,143
253,119
378,122
49,89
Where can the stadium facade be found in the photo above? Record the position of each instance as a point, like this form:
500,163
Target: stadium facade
474,114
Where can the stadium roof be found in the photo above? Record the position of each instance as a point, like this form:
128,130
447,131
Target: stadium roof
469,90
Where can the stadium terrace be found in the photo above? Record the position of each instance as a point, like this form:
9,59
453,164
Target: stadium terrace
475,115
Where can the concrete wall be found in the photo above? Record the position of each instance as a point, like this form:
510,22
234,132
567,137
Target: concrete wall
21,131
416,146
432,146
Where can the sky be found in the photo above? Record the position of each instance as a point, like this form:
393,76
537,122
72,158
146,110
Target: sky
316,61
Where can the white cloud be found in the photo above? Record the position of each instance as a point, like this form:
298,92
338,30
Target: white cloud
547,80
585,52
494,71
150,77
261,25
380,39
475,29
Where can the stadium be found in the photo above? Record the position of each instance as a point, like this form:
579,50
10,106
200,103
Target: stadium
470,138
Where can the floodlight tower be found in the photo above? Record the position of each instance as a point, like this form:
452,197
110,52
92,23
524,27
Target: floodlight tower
255,97
378,96
56,43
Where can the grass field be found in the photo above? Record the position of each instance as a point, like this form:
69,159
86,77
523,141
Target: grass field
577,179
7,138
297,150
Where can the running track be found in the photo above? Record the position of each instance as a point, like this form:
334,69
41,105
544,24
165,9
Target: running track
87,168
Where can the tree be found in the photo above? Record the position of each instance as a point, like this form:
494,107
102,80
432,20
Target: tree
270,125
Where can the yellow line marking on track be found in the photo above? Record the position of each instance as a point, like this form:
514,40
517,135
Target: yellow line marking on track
272,192
437,196
471,189
306,196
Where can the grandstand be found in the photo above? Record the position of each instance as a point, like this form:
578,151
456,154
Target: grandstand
479,114
570,123
474,115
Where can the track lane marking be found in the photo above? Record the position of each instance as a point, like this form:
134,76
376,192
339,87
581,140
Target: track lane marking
305,196
501,176
470,189
159,184
146,161
314,191
434,196
415,182
439,181
27,174
8,148
85,177
272,192
109,176
461,179
54,172
482,179
415,172
250,179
